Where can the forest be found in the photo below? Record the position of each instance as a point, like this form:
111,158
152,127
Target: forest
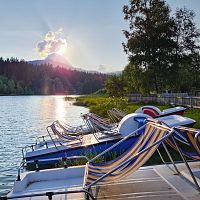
22,78
162,47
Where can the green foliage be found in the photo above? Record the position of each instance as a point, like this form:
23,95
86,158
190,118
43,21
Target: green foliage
11,87
21,77
115,86
149,39
194,114
100,105
89,154
163,49
102,92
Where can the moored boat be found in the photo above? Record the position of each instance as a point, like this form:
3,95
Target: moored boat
98,141
71,182
155,112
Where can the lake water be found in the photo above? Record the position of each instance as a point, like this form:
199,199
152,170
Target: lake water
22,119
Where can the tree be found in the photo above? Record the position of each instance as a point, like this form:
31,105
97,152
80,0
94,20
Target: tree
19,89
115,86
150,39
20,77
133,77
1,86
187,48
11,87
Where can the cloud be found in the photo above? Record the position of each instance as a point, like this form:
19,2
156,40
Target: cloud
50,36
56,45
103,68
52,43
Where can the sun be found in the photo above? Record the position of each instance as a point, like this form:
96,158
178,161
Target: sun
61,51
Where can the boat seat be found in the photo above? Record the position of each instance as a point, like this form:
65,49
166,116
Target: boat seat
56,184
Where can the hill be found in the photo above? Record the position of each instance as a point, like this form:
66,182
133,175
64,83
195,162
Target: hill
21,77
55,60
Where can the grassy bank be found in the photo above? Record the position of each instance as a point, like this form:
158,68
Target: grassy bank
100,105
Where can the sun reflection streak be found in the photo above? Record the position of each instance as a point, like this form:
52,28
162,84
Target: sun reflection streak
60,109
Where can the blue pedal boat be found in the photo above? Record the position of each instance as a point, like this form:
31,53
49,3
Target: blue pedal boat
95,143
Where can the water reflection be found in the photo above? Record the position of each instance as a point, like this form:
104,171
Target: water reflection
60,108
22,119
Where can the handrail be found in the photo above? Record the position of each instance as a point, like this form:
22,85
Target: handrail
22,164
47,128
50,194
57,159
39,137
25,149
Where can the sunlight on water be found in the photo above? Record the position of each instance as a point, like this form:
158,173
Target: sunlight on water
22,119
60,109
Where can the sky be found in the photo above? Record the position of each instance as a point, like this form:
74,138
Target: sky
88,33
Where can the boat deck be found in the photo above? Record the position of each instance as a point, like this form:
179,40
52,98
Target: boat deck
158,183
154,182
88,140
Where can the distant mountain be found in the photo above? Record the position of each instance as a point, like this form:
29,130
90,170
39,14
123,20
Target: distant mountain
115,73
55,60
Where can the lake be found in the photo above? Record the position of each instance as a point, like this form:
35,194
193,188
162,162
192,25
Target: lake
22,119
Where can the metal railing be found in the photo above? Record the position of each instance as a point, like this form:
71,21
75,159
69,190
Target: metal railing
193,102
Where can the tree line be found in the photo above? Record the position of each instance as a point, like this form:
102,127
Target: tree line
22,78
162,48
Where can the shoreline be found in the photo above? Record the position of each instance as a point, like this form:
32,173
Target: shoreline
101,104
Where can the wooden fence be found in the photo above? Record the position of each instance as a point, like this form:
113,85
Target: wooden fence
193,102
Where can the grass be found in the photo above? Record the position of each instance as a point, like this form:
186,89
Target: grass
100,105
154,160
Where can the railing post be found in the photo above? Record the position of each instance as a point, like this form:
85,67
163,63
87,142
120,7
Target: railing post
49,195
186,163
36,165
64,159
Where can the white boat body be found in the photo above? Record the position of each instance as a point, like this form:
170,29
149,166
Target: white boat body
59,179
127,123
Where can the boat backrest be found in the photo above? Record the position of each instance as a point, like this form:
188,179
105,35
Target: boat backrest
133,158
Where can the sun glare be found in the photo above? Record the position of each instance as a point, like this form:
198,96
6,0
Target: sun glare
60,108
62,50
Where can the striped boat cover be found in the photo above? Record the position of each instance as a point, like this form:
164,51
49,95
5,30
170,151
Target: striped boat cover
151,134
188,134
62,135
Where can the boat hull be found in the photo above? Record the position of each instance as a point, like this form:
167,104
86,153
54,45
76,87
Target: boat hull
49,157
